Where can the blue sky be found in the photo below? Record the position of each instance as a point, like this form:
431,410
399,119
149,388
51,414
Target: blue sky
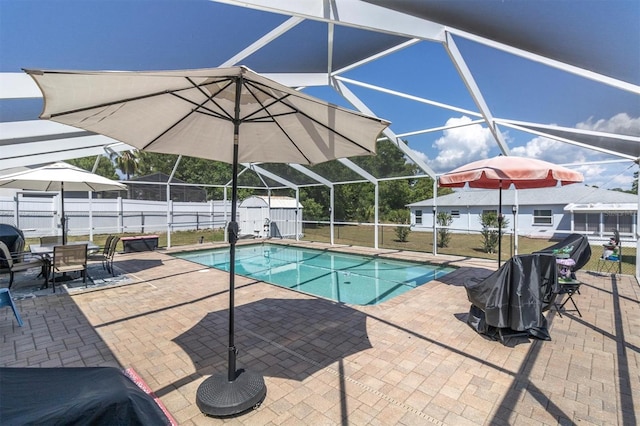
170,34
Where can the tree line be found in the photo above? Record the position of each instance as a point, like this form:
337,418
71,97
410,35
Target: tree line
354,202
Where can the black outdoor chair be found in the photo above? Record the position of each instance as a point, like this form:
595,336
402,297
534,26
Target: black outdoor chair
611,259
19,262
103,255
578,249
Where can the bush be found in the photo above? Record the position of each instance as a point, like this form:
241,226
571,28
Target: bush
401,217
444,236
489,221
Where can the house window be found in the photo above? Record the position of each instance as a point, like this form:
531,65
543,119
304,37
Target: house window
418,217
455,213
542,217
622,221
586,222
484,212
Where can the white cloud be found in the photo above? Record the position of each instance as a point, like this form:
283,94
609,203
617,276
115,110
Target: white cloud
550,150
461,145
613,175
466,143
620,123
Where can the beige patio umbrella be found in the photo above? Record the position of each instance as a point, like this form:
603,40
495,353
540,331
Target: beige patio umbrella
60,176
503,171
227,114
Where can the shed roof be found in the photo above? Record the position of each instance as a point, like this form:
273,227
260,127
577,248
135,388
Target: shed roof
276,202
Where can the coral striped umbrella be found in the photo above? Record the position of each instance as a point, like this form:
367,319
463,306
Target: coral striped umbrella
503,171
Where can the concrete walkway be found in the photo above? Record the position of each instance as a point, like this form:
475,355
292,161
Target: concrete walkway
410,361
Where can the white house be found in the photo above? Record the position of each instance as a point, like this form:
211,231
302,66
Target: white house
544,212
269,216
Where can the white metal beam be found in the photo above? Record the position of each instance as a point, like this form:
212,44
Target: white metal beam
623,85
475,92
358,14
270,175
360,106
569,141
439,129
408,96
263,41
313,175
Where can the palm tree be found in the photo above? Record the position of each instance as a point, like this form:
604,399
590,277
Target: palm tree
127,162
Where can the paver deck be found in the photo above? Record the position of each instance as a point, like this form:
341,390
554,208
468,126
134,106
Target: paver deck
410,361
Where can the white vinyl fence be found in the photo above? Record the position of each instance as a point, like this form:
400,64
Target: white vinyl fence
40,215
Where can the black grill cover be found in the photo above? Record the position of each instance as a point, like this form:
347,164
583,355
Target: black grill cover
581,252
10,235
511,300
13,238
74,396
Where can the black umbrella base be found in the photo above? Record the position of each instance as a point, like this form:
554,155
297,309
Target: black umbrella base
219,397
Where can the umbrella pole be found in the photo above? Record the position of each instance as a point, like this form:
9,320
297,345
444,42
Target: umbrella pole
239,390
500,224
62,218
233,238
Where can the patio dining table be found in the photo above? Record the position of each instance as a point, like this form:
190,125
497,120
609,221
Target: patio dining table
46,251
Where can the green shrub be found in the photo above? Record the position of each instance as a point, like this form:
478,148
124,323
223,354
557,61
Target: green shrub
444,235
401,217
489,221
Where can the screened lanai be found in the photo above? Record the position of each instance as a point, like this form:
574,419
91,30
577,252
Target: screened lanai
557,80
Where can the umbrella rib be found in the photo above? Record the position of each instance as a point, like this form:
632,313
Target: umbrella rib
298,111
264,108
198,108
211,98
134,98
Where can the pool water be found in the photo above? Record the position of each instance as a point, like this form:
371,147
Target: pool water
352,279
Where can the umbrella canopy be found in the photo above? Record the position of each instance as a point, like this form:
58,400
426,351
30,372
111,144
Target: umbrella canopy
59,177
200,113
193,113
504,171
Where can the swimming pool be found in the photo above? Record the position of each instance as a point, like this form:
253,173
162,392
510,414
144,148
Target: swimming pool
347,278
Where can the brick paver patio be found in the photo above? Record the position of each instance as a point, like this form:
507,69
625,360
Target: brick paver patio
410,361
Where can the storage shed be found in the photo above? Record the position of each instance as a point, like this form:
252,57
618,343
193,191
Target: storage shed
266,217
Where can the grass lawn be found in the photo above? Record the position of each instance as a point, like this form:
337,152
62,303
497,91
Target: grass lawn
469,245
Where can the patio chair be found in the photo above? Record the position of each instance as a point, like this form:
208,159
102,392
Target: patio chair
569,289
6,300
19,262
572,253
69,258
611,259
103,255
111,254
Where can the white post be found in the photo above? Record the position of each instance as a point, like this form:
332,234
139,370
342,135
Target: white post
16,211
226,216
169,207
120,214
331,214
212,214
638,235
90,216
435,217
375,214
298,223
